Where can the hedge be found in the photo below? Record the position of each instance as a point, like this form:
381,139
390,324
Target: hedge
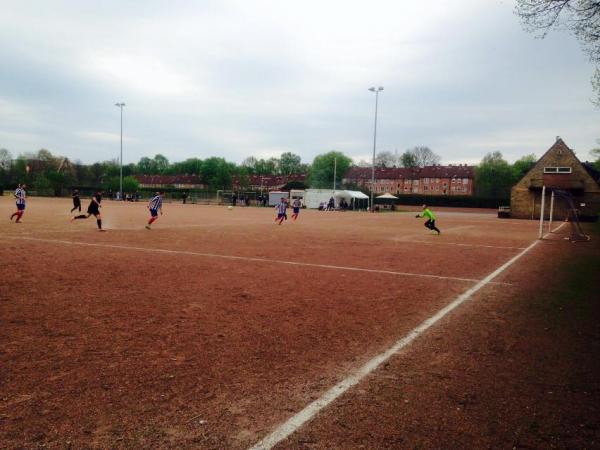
459,201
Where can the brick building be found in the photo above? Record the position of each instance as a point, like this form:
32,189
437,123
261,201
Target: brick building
267,182
558,168
429,180
170,181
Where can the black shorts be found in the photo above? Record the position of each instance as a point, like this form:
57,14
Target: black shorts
93,211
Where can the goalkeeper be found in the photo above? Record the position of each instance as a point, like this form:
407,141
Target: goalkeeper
430,219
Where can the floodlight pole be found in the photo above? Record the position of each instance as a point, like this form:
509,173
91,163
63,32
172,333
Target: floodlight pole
376,90
334,173
120,106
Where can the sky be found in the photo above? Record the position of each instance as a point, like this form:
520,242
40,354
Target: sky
258,78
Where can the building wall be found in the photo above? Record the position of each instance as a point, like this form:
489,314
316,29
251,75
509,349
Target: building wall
526,194
422,186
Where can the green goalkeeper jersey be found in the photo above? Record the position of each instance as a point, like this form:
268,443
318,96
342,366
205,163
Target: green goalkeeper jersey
427,213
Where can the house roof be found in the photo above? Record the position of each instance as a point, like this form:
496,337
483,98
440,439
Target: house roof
271,181
394,173
168,179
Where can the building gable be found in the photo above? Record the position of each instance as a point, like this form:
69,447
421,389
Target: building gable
560,168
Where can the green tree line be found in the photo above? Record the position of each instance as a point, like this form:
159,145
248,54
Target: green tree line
53,174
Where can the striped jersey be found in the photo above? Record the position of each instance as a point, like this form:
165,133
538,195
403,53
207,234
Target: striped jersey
296,203
20,195
281,207
155,202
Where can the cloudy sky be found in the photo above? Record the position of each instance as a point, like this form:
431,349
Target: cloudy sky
256,78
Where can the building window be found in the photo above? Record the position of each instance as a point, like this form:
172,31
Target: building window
426,180
557,170
465,181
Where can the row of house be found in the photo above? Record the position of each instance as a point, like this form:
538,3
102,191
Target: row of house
430,180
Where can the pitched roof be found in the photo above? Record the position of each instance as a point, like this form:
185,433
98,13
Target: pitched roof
269,181
168,179
394,173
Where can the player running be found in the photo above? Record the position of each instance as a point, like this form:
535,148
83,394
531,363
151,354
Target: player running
76,200
430,219
155,205
296,208
281,211
93,209
20,196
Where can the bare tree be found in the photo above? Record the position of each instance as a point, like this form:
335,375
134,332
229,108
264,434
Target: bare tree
386,159
419,156
5,159
582,17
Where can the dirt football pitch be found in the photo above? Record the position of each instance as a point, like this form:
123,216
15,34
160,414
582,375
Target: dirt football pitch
219,329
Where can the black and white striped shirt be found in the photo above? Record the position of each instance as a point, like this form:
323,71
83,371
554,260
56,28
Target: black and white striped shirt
155,202
281,207
20,195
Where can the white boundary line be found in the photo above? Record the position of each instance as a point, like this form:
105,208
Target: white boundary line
247,258
463,245
299,419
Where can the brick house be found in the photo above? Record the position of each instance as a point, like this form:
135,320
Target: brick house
429,180
558,168
170,181
267,182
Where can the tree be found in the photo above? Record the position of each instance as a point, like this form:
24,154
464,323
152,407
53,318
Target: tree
5,159
216,172
289,163
5,165
321,172
250,164
523,165
130,184
596,155
582,17
494,177
146,166
408,159
424,156
386,159
161,163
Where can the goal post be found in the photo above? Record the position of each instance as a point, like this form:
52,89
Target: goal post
550,217
541,233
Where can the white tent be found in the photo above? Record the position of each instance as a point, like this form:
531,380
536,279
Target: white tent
314,197
388,196
355,199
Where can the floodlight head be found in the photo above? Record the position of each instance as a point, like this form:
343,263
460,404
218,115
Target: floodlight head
380,88
372,89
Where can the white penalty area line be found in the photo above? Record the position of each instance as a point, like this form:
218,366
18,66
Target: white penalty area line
249,258
299,419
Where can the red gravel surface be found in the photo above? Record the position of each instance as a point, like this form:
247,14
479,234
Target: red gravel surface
106,342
